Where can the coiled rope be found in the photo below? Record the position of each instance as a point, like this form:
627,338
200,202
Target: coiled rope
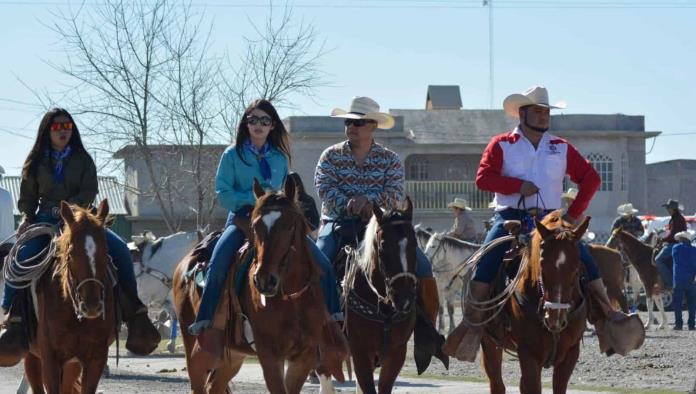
19,274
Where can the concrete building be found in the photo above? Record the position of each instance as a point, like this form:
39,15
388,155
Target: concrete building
441,147
671,179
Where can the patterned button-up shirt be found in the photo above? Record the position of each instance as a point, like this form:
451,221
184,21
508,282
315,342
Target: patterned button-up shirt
338,178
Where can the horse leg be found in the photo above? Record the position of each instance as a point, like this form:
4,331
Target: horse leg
663,315
492,359
441,319
298,369
563,370
197,366
171,346
530,382
32,370
273,369
390,369
364,365
51,371
71,383
92,371
450,311
221,378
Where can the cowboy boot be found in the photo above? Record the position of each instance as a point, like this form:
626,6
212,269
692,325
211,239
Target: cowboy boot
14,344
143,337
429,298
463,343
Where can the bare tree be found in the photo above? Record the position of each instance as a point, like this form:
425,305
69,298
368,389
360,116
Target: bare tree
146,78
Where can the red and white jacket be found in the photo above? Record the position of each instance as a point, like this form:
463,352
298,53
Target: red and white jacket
510,159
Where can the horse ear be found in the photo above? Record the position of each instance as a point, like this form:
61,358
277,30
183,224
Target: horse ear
290,188
409,207
258,190
580,230
541,229
103,210
67,213
377,211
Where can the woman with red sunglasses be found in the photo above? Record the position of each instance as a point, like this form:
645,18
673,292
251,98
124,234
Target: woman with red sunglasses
57,169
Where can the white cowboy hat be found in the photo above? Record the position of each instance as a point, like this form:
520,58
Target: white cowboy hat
626,209
685,235
571,194
365,108
536,95
459,203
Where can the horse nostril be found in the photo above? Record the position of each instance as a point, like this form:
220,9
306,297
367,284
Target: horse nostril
272,281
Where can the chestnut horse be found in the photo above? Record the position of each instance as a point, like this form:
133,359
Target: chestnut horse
380,283
76,317
281,297
547,313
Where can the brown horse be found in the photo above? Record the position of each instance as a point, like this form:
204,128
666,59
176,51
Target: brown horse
381,287
640,255
76,316
548,312
281,298
611,270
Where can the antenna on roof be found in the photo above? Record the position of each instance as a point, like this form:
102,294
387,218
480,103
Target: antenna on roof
489,4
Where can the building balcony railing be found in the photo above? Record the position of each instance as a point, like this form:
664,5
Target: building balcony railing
435,195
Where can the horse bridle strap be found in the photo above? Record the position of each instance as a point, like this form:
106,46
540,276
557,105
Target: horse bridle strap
159,275
556,305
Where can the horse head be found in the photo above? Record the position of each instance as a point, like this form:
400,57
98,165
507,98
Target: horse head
558,267
83,264
434,246
390,255
279,229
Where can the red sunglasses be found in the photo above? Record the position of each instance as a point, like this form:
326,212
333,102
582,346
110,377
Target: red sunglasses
62,126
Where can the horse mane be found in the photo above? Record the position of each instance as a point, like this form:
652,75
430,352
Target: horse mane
457,243
84,221
366,260
632,238
562,232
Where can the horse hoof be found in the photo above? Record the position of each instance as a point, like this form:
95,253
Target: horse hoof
171,348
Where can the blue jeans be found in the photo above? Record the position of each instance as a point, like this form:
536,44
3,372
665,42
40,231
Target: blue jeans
227,246
662,261
681,290
118,250
489,265
329,243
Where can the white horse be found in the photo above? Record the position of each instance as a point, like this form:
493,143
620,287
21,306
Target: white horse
446,254
660,299
155,260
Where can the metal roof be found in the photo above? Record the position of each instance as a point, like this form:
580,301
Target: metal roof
109,188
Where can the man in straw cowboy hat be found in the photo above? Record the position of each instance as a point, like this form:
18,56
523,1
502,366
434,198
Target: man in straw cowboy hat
525,168
684,256
628,221
353,175
464,227
677,224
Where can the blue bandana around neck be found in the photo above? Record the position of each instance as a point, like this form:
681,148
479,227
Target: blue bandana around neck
58,163
260,157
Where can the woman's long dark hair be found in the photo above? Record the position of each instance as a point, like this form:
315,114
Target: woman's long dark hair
278,137
43,140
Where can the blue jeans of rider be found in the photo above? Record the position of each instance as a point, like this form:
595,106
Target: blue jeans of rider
118,250
227,246
489,264
662,261
329,243
681,290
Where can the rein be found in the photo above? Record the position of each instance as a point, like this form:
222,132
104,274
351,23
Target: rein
157,274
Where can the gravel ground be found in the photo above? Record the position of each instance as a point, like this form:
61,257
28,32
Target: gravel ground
667,360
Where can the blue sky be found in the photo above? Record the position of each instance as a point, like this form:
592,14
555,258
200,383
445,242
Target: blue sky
600,56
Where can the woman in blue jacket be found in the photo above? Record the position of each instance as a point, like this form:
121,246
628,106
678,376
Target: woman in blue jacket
261,151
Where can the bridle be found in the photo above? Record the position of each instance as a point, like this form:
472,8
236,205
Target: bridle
284,261
79,305
389,281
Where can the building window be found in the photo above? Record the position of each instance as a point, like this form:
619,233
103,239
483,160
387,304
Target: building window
417,169
605,167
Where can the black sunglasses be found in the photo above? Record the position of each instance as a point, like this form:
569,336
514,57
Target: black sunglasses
263,120
357,122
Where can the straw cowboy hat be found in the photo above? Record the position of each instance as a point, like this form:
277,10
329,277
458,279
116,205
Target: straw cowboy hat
571,194
685,235
536,95
459,203
626,209
365,108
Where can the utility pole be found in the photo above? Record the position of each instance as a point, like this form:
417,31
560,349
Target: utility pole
491,84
